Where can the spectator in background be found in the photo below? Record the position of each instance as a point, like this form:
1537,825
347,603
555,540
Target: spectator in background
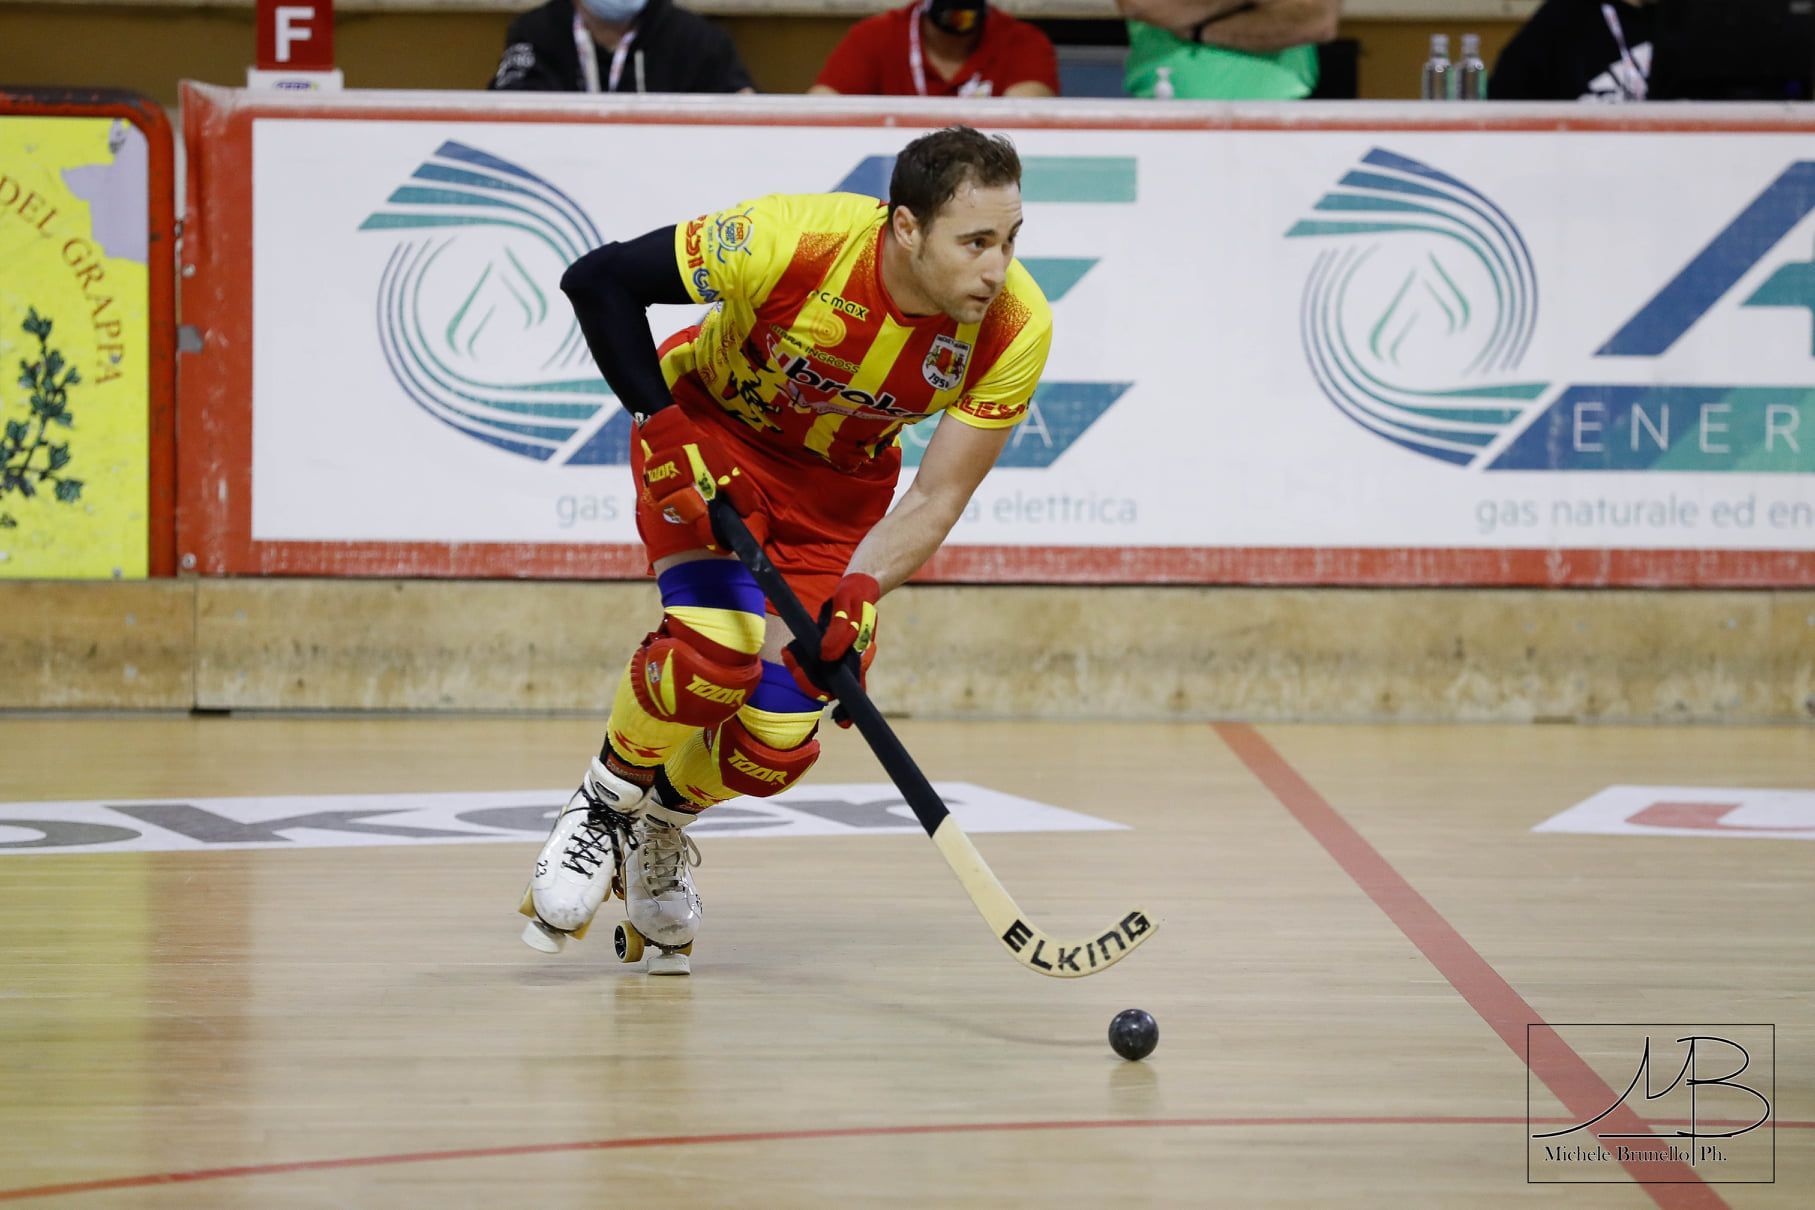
1227,50
618,46
942,48
1571,50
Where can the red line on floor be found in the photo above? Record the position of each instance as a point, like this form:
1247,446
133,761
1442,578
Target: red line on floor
773,1136
1564,1072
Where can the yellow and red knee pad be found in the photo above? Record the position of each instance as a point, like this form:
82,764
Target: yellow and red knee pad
680,676
747,765
767,747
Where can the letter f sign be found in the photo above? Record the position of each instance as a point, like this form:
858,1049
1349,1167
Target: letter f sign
292,27
295,35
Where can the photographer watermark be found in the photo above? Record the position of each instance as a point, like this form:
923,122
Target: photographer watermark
1688,1104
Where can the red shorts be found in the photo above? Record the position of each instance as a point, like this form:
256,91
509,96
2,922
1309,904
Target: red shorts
816,515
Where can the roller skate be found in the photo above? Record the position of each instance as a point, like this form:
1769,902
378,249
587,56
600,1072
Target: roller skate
659,898
580,863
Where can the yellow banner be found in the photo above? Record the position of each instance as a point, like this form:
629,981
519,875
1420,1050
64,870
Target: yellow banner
74,391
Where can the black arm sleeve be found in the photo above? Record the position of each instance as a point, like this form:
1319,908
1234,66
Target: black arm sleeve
611,288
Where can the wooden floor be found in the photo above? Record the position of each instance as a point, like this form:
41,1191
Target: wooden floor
1356,919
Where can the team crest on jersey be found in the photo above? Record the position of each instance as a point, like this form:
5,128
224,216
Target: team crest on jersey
945,362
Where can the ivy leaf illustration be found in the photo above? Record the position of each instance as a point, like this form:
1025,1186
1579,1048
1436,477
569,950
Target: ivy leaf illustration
59,456
69,490
16,430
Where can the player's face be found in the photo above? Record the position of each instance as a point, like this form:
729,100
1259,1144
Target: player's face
962,256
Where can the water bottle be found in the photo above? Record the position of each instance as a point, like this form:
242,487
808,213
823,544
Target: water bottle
1439,79
1162,84
1471,73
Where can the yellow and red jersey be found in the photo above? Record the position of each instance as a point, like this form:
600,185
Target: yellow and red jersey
805,348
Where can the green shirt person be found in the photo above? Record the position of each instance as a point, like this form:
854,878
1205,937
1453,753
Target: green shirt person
1227,50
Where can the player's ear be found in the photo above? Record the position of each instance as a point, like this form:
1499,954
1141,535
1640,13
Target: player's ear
906,227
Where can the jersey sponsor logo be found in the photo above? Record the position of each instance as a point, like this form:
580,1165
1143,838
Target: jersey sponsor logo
696,261
856,311
732,233
817,351
836,396
984,409
827,330
945,362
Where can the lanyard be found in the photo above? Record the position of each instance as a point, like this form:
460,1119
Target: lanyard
1639,87
589,58
917,62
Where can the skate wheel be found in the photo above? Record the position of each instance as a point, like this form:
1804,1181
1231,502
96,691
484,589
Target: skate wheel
628,943
539,936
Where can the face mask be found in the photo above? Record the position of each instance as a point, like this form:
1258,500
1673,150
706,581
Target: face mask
617,12
958,17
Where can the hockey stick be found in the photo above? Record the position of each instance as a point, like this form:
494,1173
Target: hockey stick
1031,947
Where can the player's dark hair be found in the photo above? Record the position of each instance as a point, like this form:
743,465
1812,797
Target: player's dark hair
930,170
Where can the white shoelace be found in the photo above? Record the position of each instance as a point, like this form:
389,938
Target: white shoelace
665,849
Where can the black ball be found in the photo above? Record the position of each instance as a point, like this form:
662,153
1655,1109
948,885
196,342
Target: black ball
1134,1033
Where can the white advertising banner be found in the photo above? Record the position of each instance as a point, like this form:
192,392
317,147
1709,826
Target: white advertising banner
303,821
1263,338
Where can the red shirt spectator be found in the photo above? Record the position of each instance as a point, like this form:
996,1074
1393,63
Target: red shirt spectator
942,48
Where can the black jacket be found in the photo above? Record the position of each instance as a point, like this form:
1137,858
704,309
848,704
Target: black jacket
1567,52
681,52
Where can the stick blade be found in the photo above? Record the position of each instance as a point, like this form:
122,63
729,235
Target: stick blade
1044,955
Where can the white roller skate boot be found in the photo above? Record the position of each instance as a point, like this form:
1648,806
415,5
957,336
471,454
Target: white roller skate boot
659,898
580,860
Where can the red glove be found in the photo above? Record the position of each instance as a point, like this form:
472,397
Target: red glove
848,623
683,468
852,618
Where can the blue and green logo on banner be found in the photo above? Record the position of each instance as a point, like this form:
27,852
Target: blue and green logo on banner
1421,304
469,328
